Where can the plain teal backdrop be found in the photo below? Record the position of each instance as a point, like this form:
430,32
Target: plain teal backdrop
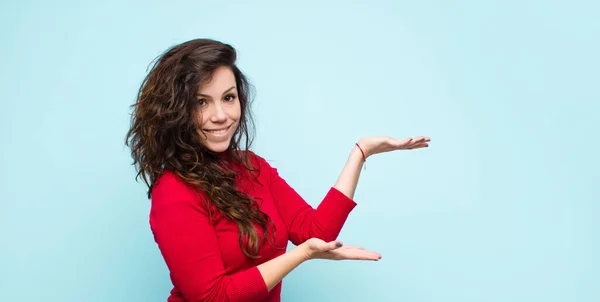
504,205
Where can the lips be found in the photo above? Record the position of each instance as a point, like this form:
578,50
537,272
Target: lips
217,131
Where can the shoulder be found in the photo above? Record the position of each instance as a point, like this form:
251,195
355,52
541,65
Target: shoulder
256,160
170,187
260,163
267,173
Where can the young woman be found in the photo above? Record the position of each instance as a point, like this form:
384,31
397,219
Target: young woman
220,214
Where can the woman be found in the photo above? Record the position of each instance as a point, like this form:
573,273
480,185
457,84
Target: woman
220,214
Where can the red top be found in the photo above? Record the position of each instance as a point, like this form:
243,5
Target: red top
203,256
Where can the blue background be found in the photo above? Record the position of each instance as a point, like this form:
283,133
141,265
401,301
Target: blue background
502,207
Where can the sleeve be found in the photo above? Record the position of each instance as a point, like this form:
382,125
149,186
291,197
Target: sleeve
188,243
301,219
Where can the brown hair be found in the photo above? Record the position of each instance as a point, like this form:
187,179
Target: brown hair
163,134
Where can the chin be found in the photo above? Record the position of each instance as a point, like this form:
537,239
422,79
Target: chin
217,147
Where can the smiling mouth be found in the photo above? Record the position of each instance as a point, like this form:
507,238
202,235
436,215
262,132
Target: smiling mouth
217,131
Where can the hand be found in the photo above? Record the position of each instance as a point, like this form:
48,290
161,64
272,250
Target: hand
379,144
335,250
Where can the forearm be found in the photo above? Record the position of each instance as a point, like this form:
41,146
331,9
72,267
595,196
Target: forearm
348,179
274,270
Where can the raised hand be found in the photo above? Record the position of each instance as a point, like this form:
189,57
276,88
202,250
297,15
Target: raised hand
335,250
378,144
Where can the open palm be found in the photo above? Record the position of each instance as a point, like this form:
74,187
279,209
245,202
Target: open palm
335,250
378,144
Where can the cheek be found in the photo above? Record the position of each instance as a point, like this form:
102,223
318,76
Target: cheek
200,120
235,111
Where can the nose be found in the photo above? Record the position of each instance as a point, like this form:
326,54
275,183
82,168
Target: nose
218,115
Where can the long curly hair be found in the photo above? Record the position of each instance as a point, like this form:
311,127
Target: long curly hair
163,134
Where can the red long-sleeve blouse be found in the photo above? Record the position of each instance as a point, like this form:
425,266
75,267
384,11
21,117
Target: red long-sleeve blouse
203,254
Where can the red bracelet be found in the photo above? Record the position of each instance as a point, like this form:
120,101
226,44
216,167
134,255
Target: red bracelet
361,151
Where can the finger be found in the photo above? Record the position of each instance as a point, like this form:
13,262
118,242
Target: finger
360,255
414,142
416,146
350,247
390,141
371,256
400,143
323,246
421,139
336,244
409,143
354,253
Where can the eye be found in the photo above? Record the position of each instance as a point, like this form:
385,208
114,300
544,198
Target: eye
230,97
201,102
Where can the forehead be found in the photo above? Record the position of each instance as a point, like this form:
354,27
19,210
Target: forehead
221,80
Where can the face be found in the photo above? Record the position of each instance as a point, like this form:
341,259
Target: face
218,110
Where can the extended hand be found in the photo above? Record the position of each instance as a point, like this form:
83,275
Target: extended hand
335,250
379,144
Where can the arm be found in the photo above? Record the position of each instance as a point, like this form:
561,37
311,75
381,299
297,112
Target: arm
348,178
274,270
188,243
314,248
303,221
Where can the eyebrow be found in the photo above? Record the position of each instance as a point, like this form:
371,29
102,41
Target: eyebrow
208,96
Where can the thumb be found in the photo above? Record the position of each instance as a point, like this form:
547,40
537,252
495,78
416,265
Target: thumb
332,245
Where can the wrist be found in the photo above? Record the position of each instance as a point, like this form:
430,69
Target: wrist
304,251
360,151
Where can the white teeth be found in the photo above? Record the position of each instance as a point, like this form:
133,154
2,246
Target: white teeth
216,131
